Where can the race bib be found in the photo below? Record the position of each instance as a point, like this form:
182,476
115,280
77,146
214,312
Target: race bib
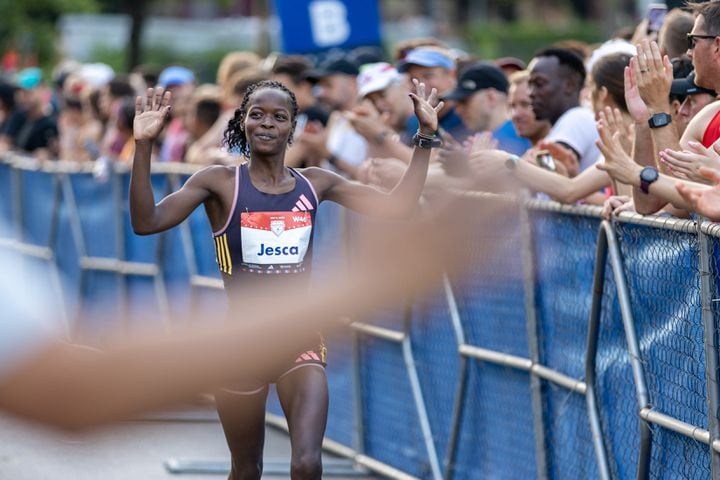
275,238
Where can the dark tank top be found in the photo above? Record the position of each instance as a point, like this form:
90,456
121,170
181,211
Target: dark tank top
267,235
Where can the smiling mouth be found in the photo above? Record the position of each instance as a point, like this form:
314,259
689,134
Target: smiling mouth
264,137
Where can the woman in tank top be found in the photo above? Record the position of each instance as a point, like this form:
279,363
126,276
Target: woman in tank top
262,215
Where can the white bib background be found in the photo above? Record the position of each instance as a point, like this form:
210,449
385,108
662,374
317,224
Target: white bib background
273,238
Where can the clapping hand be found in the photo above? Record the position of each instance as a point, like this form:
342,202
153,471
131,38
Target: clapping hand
703,200
687,163
617,164
653,73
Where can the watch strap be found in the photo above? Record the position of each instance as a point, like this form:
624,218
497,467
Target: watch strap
422,140
646,182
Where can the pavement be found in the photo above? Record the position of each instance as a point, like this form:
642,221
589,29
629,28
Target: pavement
139,450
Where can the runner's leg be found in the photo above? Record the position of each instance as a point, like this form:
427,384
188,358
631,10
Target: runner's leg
303,395
243,421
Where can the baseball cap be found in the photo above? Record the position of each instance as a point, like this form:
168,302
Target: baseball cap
475,77
375,77
333,66
96,75
510,62
687,86
28,78
175,75
426,57
366,55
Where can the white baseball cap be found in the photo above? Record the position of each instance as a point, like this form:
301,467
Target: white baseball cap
375,77
96,75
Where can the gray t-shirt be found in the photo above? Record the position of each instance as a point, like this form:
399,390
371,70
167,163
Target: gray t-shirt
29,317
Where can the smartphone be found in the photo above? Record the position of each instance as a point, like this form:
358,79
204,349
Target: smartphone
300,126
545,160
656,16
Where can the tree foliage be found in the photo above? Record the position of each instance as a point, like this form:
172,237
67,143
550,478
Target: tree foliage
29,26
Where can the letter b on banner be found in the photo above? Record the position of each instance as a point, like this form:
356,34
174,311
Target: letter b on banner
329,23
315,25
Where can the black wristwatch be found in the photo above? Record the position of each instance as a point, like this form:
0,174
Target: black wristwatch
647,176
659,120
421,140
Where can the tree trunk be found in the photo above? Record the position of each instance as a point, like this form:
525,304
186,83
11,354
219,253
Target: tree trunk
136,9
462,13
134,54
586,9
425,8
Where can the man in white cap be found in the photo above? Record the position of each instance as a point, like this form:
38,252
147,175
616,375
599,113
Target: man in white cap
383,110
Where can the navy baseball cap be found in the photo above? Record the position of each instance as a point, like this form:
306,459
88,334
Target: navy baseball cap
426,57
333,67
687,86
475,77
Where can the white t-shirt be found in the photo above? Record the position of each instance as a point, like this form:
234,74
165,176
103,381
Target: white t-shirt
29,318
344,142
577,129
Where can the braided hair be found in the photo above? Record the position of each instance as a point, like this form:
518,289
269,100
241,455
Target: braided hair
234,136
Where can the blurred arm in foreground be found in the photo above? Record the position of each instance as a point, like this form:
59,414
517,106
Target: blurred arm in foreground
59,384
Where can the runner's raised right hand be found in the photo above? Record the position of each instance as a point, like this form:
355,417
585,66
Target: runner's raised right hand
150,120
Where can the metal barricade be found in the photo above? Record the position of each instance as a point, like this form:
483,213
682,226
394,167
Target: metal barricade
577,348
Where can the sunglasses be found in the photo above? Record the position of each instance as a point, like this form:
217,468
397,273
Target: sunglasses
692,39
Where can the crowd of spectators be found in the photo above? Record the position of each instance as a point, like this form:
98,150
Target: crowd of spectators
619,123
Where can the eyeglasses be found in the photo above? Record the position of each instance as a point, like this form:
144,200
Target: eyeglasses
692,39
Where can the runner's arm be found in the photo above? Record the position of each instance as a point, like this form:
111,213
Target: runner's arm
401,200
147,217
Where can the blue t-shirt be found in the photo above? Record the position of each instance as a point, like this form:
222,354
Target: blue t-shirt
508,139
450,123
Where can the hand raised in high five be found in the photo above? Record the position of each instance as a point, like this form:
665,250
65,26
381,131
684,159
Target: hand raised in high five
150,120
426,108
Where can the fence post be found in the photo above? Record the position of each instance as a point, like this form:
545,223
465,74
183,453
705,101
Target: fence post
707,293
533,339
613,251
591,353
459,406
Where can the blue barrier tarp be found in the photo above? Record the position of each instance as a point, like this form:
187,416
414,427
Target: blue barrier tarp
79,216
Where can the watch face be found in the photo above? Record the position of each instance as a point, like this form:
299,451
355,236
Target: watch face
660,119
648,174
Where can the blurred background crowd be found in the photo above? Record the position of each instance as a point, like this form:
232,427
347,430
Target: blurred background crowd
530,110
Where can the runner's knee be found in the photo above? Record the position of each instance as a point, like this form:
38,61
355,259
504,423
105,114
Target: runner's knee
246,470
306,466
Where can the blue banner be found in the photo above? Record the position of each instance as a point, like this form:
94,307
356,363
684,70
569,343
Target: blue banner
315,25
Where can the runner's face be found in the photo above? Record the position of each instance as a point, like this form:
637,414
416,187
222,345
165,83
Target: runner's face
269,122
